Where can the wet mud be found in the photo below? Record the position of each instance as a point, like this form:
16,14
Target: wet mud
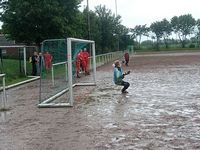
161,110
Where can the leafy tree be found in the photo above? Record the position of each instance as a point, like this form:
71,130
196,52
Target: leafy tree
166,30
183,26
105,29
139,31
156,28
31,21
109,29
124,38
198,32
95,33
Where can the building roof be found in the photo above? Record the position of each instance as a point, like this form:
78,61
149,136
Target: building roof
5,42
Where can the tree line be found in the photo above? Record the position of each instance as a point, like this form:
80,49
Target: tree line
184,27
32,21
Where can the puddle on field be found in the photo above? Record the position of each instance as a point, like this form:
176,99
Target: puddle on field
118,139
159,104
111,125
4,116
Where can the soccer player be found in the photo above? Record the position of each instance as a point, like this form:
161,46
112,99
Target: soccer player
79,58
86,61
126,57
47,60
119,76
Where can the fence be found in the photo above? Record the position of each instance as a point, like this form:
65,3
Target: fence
108,57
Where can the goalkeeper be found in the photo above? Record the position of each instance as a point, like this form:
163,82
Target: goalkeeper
119,76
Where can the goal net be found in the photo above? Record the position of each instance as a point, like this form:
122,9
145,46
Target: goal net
58,82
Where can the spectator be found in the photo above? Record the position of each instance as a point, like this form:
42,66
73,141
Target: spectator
34,61
40,63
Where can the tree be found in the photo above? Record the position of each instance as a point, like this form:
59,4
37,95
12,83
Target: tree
109,29
94,27
156,28
124,38
183,26
166,30
105,29
198,32
31,21
138,32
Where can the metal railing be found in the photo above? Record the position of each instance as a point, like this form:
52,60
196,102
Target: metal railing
108,57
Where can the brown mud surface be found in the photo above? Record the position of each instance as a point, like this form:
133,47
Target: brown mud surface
161,110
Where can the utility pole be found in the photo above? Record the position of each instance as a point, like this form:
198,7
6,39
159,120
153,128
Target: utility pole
116,8
88,19
116,16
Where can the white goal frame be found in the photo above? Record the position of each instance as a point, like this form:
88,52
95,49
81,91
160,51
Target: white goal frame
49,102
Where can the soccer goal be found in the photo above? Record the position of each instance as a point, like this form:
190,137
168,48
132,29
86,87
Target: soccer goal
57,86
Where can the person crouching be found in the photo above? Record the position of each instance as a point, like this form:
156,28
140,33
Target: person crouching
119,76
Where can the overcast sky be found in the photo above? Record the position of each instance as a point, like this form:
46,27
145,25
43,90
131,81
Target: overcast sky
140,12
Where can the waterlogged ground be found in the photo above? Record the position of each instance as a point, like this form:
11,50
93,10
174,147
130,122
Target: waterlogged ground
161,111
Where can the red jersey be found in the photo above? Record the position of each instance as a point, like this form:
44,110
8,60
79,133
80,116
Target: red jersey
85,55
126,55
79,56
47,57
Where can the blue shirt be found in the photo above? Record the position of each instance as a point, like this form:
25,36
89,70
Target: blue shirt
118,75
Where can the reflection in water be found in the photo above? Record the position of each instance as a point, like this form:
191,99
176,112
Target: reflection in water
4,116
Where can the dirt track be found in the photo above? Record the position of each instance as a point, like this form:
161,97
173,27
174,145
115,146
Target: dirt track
161,111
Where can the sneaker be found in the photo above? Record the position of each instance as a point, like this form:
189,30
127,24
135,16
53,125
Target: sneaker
124,92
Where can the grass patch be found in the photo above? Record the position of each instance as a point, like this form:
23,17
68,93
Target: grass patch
14,70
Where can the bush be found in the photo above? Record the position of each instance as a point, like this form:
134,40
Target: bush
191,46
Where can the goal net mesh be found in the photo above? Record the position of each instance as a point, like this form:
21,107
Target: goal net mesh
56,79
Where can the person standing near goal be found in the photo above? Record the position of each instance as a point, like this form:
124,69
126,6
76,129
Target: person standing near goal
41,63
79,59
34,61
119,76
47,59
86,61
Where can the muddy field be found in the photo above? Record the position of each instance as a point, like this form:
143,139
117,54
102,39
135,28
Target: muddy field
161,111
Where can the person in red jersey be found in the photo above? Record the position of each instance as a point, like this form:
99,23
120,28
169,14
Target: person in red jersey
126,57
79,59
86,61
47,60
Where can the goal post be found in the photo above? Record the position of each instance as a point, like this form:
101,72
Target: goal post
69,50
57,87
